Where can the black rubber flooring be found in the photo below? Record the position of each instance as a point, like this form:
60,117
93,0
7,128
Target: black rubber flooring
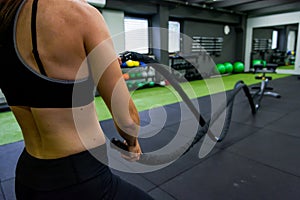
259,159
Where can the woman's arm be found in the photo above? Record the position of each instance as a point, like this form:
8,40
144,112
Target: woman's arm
107,74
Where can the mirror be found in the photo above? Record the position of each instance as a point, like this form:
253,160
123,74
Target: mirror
275,45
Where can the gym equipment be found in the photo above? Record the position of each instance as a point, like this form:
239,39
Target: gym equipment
259,62
130,63
124,64
238,67
162,83
151,83
139,74
151,72
136,63
126,76
129,85
256,62
278,57
221,68
142,64
144,74
140,84
132,75
228,67
163,159
290,60
211,45
263,90
136,72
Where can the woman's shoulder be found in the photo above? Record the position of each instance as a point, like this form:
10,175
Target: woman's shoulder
72,12
80,6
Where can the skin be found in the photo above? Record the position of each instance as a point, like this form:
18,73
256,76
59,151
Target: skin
75,30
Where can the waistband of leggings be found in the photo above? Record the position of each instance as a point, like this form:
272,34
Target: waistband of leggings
50,174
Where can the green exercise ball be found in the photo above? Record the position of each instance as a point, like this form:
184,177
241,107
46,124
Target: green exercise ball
228,67
238,67
221,68
256,62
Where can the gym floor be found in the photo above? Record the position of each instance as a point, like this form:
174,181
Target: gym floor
257,160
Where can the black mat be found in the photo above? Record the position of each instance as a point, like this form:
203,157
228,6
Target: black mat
229,176
1,193
8,189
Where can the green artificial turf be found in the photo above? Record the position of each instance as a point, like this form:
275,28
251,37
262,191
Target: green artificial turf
288,67
9,129
145,99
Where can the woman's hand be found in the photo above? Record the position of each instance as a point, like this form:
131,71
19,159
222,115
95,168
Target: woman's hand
134,152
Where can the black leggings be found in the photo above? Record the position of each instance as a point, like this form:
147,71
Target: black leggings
76,177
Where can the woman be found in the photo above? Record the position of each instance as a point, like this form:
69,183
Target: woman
50,48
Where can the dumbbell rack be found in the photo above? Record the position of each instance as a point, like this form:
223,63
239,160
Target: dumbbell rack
208,45
183,70
139,76
261,44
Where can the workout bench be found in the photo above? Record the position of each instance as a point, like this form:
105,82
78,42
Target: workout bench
264,89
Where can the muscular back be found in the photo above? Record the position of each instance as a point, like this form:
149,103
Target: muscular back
60,25
62,45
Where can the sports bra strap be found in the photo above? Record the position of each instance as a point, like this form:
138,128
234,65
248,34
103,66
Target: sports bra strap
34,38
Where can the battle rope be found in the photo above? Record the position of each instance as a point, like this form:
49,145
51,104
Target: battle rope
152,159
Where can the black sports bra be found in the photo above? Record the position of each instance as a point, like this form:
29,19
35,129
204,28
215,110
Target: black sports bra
22,86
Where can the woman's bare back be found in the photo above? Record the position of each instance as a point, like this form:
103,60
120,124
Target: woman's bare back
57,132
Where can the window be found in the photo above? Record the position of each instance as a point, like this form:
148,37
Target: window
291,41
274,39
136,35
174,36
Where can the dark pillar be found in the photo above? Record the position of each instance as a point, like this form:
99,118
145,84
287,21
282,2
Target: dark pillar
160,35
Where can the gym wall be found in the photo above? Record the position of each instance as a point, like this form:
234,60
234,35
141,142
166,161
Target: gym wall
195,21
214,30
265,33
